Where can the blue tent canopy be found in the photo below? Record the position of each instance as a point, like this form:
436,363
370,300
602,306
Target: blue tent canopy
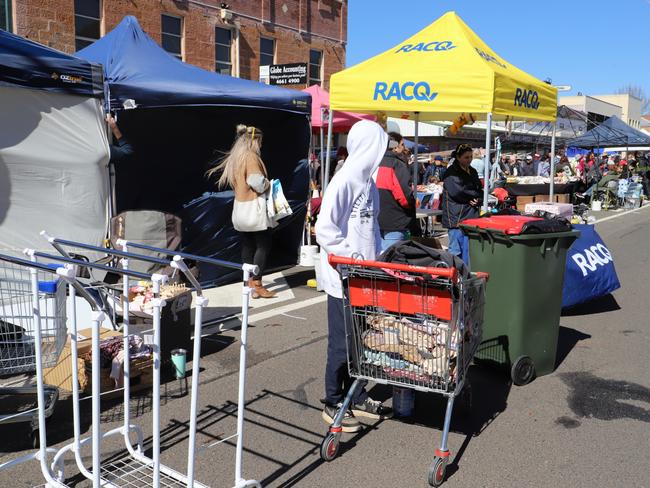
611,133
26,64
184,121
410,145
137,68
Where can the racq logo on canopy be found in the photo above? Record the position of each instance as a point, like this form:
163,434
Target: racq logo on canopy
527,98
407,91
427,47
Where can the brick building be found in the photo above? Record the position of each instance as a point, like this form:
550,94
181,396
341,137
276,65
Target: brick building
234,37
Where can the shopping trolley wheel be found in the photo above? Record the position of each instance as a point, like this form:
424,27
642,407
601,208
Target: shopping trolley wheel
437,471
523,371
329,448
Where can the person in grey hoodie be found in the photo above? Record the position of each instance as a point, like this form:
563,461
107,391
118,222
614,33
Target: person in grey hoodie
348,226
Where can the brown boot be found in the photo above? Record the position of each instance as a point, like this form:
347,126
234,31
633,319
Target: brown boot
258,290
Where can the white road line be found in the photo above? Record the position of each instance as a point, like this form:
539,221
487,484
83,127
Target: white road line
225,324
605,219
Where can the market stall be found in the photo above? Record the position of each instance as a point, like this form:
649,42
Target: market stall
180,119
53,147
612,132
443,72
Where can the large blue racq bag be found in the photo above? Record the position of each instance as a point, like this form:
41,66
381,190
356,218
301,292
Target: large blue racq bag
590,271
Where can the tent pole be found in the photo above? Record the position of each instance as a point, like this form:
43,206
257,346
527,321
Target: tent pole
327,156
486,169
322,155
416,165
552,182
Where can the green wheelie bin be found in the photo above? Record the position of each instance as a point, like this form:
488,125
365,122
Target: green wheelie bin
523,297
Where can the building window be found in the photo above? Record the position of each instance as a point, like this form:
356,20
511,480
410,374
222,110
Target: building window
172,35
267,51
5,15
315,67
223,50
87,21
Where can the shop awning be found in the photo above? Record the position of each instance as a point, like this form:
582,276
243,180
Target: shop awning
440,72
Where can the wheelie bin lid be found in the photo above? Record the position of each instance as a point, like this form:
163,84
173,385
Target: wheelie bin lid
506,224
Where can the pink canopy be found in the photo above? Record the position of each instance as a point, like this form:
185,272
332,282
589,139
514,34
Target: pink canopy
342,121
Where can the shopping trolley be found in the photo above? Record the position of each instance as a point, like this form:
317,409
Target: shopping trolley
17,341
410,327
137,469
32,335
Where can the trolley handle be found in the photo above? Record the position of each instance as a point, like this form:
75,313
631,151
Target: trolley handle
62,259
201,259
451,273
59,243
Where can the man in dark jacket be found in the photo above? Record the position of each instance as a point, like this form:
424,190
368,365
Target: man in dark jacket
396,195
461,198
121,149
529,168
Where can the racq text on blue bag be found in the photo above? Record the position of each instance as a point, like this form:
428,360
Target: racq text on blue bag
527,98
427,46
407,91
589,259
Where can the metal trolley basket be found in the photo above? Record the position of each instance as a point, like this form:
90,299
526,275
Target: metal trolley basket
411,327
19,343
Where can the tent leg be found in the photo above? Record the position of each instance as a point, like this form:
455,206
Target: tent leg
552,182
486,169
322,156
416,165
327,156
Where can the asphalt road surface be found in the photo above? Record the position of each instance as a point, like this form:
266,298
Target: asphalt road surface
585,425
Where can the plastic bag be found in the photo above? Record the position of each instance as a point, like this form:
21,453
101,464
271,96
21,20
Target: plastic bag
277,205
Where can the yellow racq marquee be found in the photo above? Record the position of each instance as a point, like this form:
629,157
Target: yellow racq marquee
442,71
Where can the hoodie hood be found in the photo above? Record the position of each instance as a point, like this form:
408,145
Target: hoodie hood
347,223
367,143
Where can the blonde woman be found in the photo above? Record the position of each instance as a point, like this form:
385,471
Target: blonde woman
243,170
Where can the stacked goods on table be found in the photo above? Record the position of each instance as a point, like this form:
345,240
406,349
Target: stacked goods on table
140,295
111,362
175,318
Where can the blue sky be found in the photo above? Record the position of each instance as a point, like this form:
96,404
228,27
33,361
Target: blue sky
596,46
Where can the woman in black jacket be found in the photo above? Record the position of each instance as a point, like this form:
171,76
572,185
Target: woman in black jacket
461,199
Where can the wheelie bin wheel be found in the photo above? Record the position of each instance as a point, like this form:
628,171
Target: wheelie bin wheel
523,371
437,471
329,448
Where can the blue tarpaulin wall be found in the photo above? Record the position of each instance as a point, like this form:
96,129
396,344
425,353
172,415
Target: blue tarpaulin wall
590,271
184,121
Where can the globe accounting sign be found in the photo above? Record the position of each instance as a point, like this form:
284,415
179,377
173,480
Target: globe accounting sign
288,74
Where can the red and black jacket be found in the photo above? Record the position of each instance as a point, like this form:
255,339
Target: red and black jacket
396,197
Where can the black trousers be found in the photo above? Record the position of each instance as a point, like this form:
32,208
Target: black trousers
337,377
256,247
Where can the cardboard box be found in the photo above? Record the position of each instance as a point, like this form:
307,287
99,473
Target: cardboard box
522,201
60,375
563,198
141,377
561,209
